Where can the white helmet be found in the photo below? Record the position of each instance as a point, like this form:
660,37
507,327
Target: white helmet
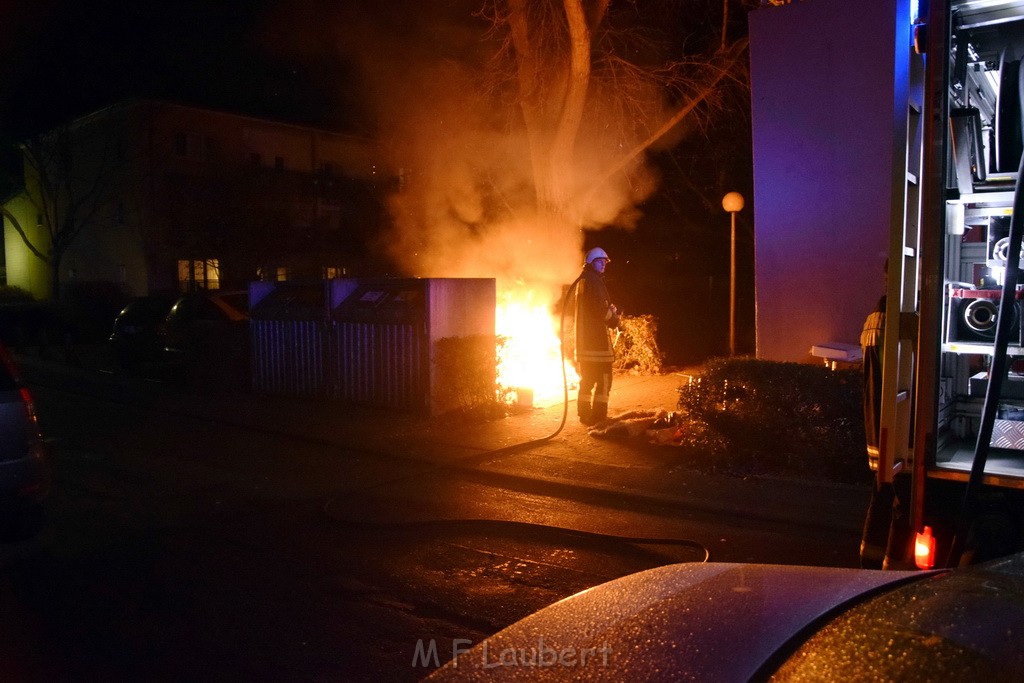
596,253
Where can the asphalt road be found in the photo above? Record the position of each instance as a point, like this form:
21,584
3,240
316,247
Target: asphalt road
184,549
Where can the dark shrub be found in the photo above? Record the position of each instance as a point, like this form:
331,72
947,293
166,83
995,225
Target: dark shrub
788,419
25,322
12,294
467,365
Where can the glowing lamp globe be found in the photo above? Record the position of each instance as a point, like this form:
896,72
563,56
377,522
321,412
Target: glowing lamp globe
732,202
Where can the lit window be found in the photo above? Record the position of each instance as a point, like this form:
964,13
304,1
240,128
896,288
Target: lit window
198,274
331,272
272,274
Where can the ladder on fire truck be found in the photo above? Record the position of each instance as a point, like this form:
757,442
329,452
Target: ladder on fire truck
903,269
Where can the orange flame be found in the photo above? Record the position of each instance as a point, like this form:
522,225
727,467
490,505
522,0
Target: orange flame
531,357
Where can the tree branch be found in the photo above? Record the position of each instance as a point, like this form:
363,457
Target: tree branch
708,89
21,231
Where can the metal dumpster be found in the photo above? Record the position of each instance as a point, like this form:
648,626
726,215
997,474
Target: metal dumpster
369,341
289,335
384,332
381,356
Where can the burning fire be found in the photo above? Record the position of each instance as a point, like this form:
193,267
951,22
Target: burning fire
531,357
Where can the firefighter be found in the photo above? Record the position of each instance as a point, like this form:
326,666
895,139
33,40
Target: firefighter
596,316
872,339
874,540
886,526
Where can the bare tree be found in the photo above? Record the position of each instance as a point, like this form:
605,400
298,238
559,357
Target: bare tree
590,67
70,181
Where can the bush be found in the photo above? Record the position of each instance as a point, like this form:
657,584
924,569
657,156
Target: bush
467,366
25,322
12,294
636,348
791,419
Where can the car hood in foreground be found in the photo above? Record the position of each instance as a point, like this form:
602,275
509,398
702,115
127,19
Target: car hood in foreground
966,624
679,622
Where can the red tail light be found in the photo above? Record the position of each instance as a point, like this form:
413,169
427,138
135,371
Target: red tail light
924,549
30,407
26,395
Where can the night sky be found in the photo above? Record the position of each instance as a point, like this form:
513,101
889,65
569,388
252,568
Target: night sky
62,58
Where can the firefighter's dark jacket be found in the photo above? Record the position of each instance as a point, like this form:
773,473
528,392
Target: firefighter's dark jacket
594,319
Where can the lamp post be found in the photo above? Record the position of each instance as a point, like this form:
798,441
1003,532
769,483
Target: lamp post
732,202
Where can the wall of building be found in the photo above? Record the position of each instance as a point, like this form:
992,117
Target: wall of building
824,74
25,269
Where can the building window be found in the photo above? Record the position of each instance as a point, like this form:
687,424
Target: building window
197,146
272,274
198,274
331,272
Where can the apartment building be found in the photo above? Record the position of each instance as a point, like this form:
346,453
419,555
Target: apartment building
148,196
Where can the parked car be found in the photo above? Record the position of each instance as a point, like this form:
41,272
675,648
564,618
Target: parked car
133,337
24,457
204,339
741,622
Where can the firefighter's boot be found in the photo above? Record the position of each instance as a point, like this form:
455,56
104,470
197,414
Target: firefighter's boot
584,411
600,412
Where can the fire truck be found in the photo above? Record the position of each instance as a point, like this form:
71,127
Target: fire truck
952,413
930,96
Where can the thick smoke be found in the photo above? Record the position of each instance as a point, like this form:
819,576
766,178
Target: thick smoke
467,204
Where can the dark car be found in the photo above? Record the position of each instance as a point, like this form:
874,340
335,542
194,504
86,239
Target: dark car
133,338
204,339
24,457
741,622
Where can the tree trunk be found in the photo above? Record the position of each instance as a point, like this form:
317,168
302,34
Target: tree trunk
564,143
54,262
530,99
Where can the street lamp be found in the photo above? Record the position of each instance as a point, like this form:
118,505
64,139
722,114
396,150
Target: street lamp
732,203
